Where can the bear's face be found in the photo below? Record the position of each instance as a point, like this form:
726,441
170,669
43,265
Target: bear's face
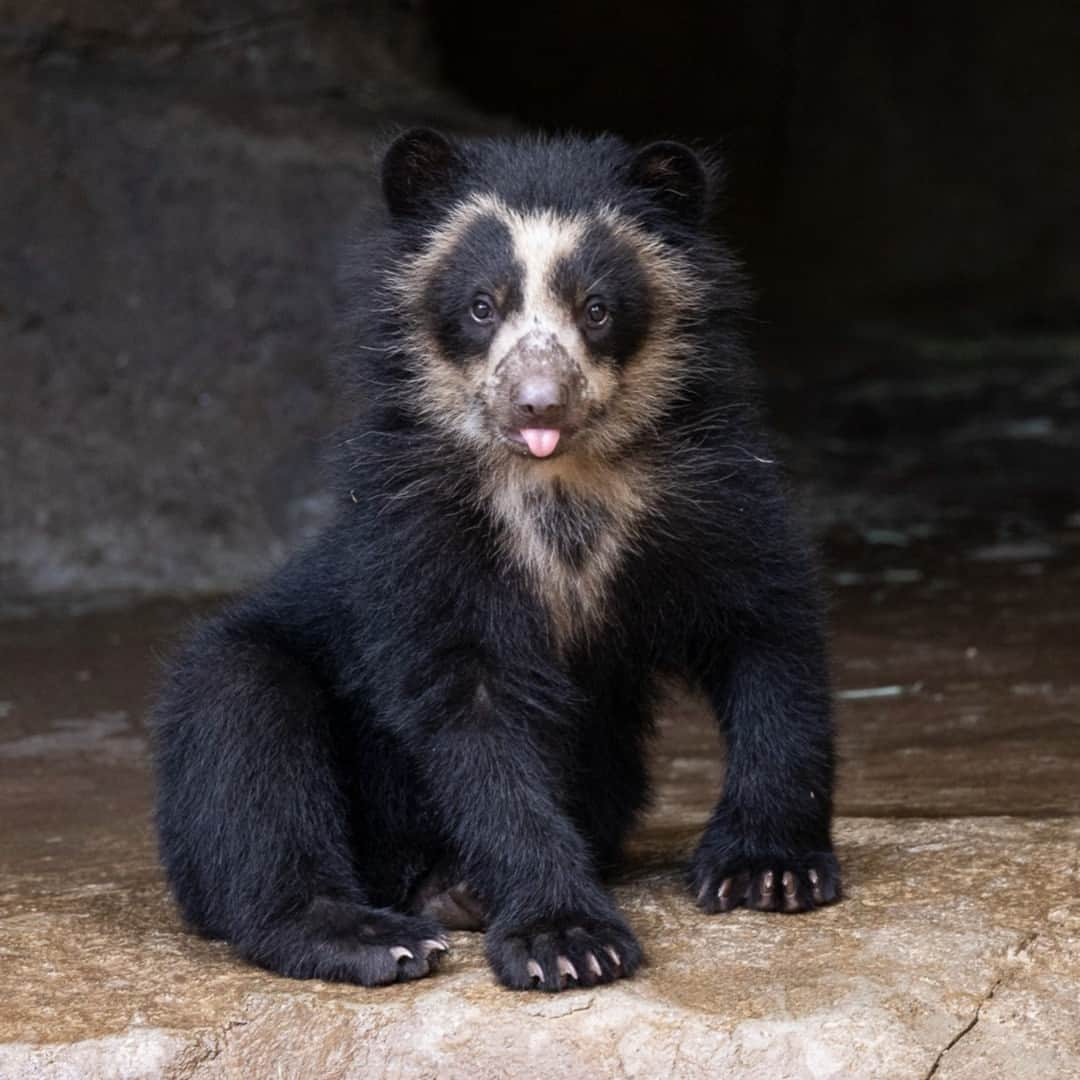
543,333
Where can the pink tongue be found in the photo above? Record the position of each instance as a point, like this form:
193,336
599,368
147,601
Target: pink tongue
541,441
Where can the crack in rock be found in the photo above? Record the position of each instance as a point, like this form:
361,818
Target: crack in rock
1014,954
210,1051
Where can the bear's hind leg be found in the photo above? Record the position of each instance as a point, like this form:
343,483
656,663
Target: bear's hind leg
253,823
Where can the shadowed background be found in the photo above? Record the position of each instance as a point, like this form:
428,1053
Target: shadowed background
178,179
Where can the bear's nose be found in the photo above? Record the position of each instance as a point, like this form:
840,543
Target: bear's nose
540,401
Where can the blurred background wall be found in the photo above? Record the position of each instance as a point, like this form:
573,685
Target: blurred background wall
178,178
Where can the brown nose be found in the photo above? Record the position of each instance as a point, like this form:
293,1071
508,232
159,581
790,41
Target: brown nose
540,401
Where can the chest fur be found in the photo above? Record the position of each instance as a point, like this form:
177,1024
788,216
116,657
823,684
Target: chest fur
570,540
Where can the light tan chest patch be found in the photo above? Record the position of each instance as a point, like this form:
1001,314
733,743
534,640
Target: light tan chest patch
569,529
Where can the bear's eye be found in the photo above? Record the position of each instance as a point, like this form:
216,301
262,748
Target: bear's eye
596,312
482,309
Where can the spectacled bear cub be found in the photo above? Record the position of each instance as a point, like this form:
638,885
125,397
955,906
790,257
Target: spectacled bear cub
555,492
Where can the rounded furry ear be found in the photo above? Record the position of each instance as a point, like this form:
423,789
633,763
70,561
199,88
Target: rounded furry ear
419,165
676,177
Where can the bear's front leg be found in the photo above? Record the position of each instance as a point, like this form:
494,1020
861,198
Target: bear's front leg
767,844
488,741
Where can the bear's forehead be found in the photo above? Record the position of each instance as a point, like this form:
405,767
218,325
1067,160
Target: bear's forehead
542,259
536,252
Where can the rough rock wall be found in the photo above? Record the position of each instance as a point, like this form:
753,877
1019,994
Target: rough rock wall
931,166
176,183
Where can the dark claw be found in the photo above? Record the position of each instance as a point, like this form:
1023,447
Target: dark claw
768,888
558,955
791,898
732,892
763,881
727,902
725,889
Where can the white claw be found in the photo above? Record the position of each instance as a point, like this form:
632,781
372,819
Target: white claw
432,945
399,952
615,958
535,970
567,968
594,965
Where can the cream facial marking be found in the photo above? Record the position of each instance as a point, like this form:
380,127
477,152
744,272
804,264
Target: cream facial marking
455,398
540,241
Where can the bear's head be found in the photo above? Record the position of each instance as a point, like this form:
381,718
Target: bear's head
548,301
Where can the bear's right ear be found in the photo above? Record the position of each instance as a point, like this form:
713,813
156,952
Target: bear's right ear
675,176
420,165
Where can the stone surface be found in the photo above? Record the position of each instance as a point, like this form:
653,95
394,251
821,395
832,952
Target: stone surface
954,953
274,48
134,445
101,980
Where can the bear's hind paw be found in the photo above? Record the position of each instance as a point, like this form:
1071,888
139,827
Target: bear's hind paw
346,942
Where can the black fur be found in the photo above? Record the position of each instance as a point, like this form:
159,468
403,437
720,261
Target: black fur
603,258
390,709
675,177
484,261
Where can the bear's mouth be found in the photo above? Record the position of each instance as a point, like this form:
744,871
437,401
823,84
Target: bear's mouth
537,442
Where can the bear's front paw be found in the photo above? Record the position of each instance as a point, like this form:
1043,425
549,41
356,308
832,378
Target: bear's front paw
764,881
563,952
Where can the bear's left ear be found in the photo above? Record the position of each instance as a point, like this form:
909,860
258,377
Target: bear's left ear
675,176
419,166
